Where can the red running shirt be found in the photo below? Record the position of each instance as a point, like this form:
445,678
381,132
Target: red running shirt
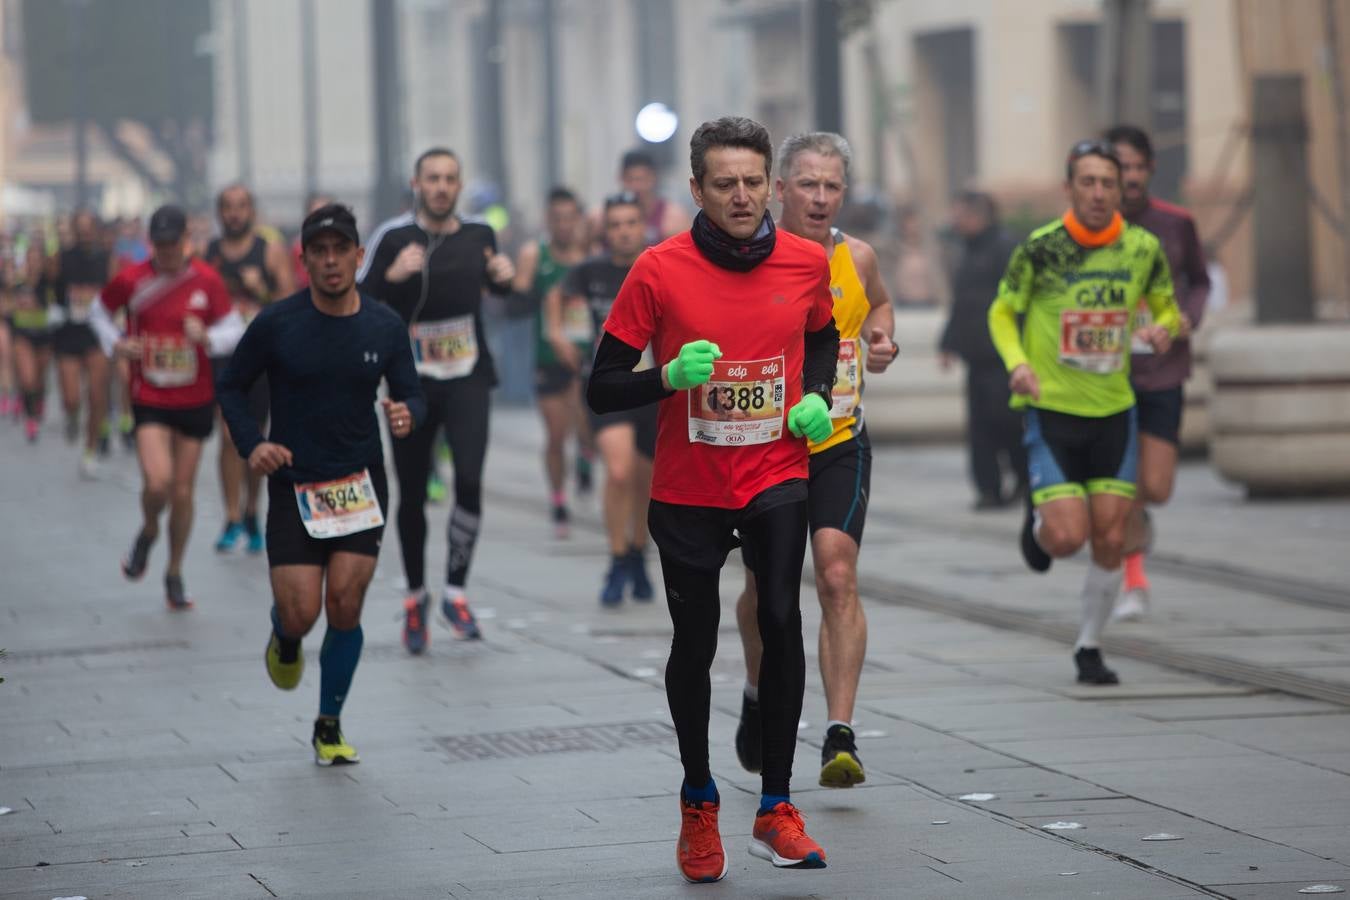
171,374
722,447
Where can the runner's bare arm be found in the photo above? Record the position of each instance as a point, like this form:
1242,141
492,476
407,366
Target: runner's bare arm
278,263
526,266
878,329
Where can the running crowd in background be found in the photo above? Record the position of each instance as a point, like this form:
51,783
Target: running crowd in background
715,368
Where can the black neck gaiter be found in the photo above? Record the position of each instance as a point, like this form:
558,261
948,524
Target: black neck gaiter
724,250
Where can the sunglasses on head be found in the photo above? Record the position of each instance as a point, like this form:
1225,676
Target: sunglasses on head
623,198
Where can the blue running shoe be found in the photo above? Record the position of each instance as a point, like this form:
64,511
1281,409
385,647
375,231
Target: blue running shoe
256,543
643,591
230,537
455,611
611,595
415,623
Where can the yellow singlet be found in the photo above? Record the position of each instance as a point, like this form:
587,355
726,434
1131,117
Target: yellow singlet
850,309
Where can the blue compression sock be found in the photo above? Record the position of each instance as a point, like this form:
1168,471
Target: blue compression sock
705,794
769,801
337,663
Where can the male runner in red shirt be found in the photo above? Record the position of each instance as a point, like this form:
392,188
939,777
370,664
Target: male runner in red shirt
178,312
743,314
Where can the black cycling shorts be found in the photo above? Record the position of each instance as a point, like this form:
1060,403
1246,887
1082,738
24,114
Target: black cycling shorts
194,422
643,419
289,544
1160,413
841,480
1073,456
552,379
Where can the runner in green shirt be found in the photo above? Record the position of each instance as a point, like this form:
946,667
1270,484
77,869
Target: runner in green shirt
1077,284
541,267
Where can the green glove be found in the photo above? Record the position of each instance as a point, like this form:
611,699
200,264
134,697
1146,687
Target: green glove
810,419
693,366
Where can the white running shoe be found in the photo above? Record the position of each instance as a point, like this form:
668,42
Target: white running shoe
88,466
1132,606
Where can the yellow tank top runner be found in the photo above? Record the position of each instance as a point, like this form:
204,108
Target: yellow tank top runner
850,309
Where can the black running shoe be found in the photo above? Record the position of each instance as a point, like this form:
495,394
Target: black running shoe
1037,559
839,763
749,749
133,567
562,521
175,594
1091,669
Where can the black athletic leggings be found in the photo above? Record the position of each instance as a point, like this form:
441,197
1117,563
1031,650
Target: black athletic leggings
461,408
777,538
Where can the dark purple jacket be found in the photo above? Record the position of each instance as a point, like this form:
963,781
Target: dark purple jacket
1175,228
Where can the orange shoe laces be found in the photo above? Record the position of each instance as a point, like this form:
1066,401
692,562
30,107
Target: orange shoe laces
701,831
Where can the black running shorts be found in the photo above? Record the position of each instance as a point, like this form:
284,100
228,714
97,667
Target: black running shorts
553,379
1160,413
289,544
195,422
74,339
841,479
643,420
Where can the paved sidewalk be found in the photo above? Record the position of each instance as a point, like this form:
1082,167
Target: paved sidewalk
145,755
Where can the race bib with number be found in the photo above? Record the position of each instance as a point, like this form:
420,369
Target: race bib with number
741,404
169,362
446,349
577,325
847,393
1143,318
343,506
1093,341
79,310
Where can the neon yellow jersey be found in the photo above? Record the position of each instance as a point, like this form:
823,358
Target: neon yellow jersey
850,310
1080,305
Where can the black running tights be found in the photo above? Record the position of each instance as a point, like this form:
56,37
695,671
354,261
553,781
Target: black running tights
778,536
460,408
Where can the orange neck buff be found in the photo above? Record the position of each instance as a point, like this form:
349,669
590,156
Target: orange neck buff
1093,239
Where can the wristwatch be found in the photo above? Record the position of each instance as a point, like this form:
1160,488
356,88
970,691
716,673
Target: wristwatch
826,392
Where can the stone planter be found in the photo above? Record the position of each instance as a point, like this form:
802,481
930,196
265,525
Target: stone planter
1280,410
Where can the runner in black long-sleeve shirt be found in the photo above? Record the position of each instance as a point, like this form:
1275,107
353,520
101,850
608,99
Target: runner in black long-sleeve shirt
433,269
324,352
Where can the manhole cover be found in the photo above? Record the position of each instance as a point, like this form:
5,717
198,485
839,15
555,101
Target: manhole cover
542,741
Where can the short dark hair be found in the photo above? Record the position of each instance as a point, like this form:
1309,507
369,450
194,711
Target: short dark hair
428,154
728,131
1091,147
637,159
563,195
234,186
983,203
1133,135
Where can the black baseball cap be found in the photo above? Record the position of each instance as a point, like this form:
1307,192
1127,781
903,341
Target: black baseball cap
333,217
168,224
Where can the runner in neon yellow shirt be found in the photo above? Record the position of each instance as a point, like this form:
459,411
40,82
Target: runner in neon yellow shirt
1078,282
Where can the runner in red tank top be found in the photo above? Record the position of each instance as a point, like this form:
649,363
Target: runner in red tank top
177,312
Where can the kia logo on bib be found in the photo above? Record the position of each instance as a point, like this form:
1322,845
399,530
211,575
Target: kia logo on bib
735,439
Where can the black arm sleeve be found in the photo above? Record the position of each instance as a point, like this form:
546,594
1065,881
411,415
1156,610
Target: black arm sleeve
821,362
614,386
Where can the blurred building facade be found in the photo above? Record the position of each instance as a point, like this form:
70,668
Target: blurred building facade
938,95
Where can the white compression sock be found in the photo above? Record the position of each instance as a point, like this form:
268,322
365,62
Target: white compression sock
1099,595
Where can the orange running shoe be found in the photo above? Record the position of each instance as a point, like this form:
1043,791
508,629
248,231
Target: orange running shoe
700,855
780,837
